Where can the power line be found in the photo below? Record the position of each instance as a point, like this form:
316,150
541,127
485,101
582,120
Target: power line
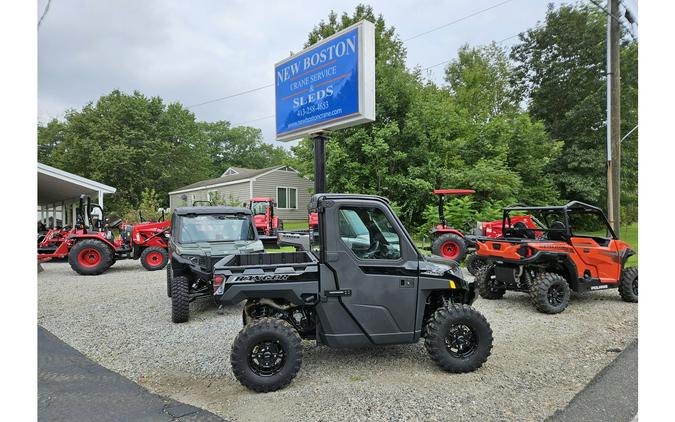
230,96
405,40
49,2
457,20
616,18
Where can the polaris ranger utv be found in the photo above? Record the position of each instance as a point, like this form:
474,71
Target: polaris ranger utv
201,236
572,247
364,283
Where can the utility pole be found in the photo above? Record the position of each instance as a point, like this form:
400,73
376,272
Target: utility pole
613,117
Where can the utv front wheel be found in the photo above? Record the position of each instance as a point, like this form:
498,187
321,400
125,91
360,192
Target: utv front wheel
628,285
459,338
550,293
488,286
180,299
168,280
449,246
154,258
266,355
474,263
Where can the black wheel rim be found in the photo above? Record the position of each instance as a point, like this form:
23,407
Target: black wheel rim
555,295
635,287
266,358
461,341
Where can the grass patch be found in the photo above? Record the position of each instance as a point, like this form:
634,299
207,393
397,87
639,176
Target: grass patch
629,234
296,225
281,249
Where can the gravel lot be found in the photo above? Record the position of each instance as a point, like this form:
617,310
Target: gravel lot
122,320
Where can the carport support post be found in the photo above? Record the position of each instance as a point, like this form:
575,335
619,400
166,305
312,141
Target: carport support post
74,207
319,162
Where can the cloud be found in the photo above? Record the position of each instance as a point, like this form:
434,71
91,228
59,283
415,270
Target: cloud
197,51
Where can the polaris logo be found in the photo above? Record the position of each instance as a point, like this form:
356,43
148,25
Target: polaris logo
256,278
601,287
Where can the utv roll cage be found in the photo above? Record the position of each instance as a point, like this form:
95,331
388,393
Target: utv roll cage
563,210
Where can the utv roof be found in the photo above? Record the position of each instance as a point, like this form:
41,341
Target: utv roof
573,205
212,210
313,203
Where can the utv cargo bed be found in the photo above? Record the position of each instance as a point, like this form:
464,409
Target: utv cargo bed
292,276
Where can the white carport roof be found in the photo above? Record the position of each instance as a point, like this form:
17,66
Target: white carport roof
56,185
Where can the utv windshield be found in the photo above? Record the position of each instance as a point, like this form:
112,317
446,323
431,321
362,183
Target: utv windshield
259,208
215,228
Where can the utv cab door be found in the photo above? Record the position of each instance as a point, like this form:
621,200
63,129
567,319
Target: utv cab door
375,269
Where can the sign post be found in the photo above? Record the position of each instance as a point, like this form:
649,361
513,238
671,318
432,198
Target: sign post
329,85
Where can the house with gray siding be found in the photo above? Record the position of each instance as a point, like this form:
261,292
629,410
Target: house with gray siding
237,185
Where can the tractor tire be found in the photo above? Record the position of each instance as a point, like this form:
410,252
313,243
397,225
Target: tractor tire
487,284
180,299
550,293
474,263
628,285
458,338
154,258
266,355
449,246
169,275
90,257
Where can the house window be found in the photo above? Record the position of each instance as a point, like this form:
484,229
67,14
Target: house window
287,197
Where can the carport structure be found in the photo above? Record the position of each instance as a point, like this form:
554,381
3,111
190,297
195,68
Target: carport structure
59,193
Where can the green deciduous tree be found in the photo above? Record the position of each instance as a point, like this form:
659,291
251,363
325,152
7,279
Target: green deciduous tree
561,71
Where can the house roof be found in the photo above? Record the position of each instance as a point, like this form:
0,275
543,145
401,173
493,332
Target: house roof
241,175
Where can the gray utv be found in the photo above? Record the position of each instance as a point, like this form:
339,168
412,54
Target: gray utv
200,237
363,283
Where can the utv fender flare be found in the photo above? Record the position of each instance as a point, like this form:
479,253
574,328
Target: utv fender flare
624,255
298,293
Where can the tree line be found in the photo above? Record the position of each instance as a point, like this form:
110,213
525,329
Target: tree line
519,125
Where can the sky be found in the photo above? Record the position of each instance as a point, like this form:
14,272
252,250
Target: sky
193,52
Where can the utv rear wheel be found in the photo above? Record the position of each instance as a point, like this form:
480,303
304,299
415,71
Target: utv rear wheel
449,246
459,338
628,285
550,293
474,263
180,299
266,355
90,257
154,258
488,286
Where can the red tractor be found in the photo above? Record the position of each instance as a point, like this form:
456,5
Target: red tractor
266,223
92,250
449,242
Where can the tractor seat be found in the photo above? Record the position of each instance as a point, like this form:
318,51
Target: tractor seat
557,231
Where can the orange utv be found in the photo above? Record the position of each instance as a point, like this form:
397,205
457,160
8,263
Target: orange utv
573,247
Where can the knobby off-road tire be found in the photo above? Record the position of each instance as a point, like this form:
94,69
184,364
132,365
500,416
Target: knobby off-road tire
449,246
474,263
169,274
266,355
90,257
180,299
550,293
488,286
154,258
458,338
628,285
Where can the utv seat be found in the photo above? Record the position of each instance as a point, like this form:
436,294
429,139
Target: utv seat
557,231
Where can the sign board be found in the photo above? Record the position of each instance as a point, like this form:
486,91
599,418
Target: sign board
329,85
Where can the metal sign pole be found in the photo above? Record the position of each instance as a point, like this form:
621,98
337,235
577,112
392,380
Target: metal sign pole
319,140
